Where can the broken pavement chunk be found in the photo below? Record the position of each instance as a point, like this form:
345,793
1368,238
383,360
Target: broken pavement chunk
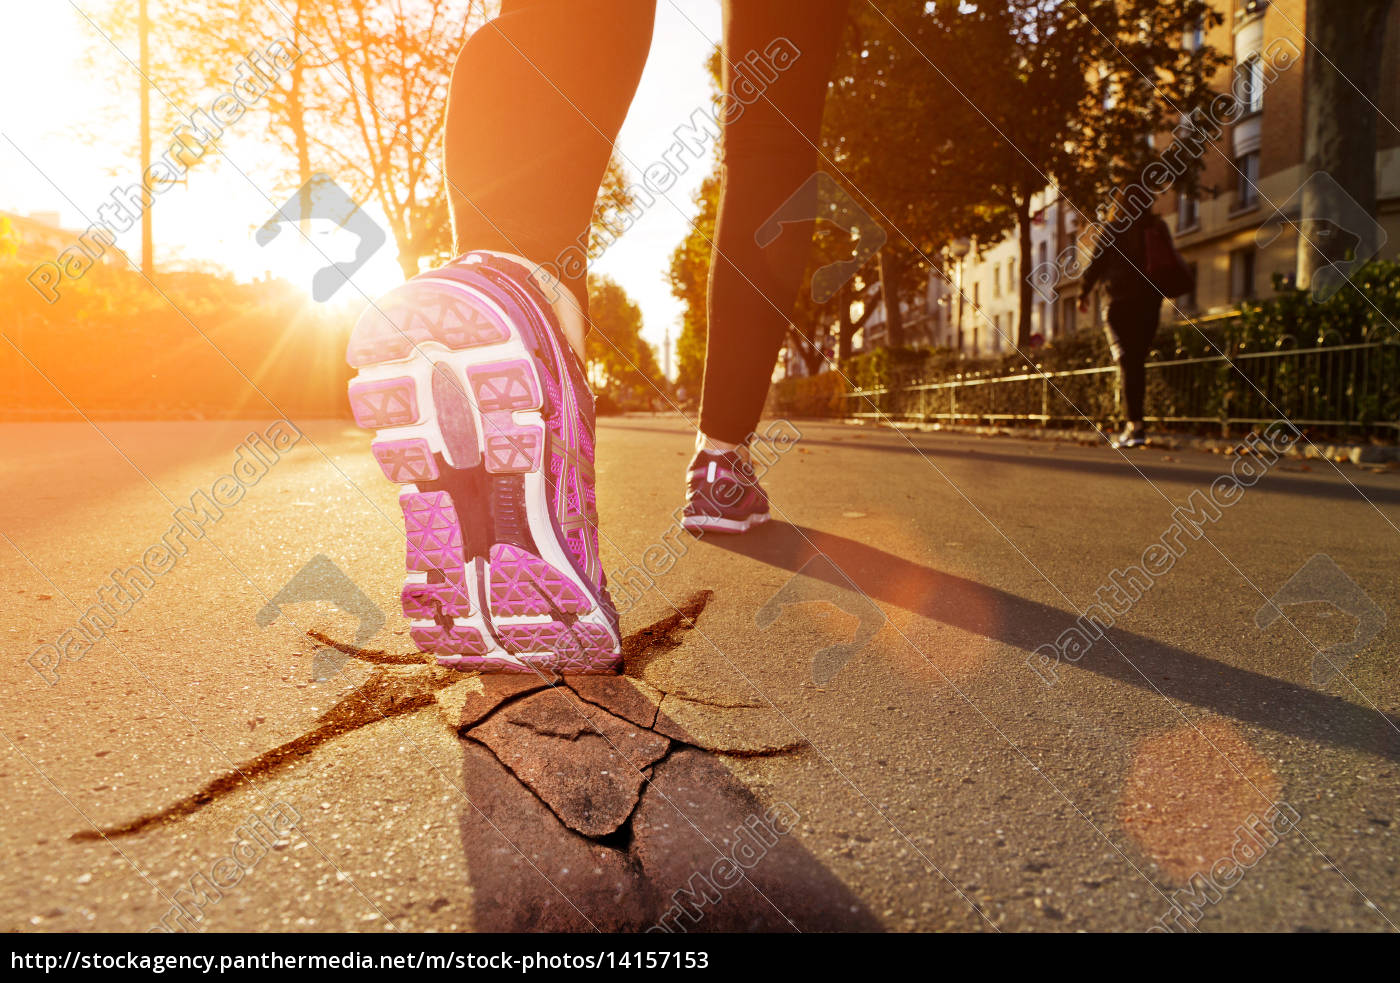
582,761
630,699
467,703
728,730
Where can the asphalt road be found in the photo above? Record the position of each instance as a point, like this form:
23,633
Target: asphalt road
859,678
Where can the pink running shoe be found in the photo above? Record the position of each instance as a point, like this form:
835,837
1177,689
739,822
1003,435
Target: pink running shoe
482,413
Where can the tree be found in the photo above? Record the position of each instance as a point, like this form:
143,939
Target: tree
689,276
818,321
392,68
952,117
620,363
1342,67
882,140
365,100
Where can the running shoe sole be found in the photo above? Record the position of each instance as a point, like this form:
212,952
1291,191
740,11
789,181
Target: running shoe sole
465,413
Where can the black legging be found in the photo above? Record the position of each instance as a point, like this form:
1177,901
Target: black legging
537,99
1132,324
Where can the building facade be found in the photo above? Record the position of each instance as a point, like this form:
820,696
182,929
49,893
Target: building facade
1238,233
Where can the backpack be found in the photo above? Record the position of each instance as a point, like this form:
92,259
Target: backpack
1165,268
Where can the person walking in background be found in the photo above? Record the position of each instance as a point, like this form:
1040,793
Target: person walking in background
1134,311
472,374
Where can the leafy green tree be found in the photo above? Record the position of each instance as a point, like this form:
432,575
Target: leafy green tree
621,364
689,277
949,118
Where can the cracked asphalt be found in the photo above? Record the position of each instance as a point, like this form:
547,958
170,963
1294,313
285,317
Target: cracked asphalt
832,723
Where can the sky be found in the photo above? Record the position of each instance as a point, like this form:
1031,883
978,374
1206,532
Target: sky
46,164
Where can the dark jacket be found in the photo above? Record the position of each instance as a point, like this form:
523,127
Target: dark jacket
1119,261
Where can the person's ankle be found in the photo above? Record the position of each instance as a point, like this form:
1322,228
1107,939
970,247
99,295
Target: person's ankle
572,321
712,446
567,310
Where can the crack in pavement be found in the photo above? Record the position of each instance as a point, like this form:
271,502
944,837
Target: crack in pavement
376,656
592,774
387,693
705,702
644,646
379,697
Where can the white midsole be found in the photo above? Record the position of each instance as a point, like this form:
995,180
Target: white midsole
717,524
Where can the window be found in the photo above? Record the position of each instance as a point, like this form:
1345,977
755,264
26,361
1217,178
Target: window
1188,211
1247,183
1241,274
1011,276
1249,85
996,280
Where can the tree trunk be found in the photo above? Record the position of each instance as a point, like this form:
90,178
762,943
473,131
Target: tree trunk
296,122
408,256
890,294
1342,68
845,330
1023,321
810,354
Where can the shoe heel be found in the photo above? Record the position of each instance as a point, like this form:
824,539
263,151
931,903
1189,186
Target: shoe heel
420,311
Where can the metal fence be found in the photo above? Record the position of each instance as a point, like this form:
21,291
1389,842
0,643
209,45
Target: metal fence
1351,386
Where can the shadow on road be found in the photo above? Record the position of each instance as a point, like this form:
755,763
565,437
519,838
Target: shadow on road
1241,694
593,809
1136,468
530,874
